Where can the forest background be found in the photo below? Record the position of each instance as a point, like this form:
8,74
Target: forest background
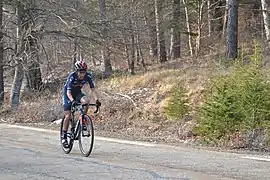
170,71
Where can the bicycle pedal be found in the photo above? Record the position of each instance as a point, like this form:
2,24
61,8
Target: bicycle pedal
86,135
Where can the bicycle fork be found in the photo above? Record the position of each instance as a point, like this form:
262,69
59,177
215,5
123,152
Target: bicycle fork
74,131
84,121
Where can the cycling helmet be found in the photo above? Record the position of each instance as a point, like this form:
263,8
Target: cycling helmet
80,66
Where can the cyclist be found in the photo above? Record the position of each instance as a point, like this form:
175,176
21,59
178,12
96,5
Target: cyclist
72,93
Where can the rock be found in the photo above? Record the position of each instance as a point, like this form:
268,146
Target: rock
256,139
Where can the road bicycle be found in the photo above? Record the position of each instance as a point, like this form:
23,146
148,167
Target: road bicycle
79,129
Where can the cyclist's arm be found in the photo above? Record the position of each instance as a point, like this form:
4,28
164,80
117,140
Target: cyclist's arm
69,87
92,87
95,94
69,95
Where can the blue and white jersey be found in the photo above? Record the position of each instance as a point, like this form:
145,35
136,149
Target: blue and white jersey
74,84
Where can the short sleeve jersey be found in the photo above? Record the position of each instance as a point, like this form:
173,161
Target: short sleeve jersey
75,85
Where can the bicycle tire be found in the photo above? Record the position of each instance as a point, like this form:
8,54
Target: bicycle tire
91,129
66,150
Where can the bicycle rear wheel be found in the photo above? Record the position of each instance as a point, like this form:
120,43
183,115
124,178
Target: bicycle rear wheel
70,138
86,136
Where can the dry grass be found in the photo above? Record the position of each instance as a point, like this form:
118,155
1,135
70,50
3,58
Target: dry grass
151,89
150,92
132,106
39,110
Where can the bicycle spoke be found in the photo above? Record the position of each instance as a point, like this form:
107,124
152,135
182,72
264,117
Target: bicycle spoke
86,139
78,133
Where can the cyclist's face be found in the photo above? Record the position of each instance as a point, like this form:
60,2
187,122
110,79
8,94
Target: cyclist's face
81,74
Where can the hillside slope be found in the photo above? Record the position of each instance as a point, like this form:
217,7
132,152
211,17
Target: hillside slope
133,106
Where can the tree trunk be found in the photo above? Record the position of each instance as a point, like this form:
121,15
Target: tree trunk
209,17
127,52
170,54
176,39
57,50
76,55
16,86
266,19
232,38
133,47
19,73
132,63
199,27
33,76
1,58
154,48
138,47
28,45
81,52
225,20
75,52
162,55
152,32
142,59
105,50
33,72
142,62
137,52
217,15
188,29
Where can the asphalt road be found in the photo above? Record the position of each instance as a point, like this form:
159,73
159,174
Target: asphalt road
30,154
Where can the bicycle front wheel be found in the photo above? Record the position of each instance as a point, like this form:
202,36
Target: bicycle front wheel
86,136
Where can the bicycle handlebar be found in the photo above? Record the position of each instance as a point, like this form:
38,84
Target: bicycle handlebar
97,107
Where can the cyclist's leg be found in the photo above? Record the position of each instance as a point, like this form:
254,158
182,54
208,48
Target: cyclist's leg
81,97
67,119
67,108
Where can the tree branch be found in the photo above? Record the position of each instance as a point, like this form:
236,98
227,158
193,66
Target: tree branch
122,95
67,34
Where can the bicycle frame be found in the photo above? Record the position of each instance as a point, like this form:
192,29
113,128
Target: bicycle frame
78,125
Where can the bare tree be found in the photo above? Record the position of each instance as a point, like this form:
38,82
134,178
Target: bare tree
132,63
209,17
162,55
188,28
199,26
140,55
131,21
33,72
27,43
232,38
150,22
225,20
176,23
20,58
266,19
118,32
1,57
105,50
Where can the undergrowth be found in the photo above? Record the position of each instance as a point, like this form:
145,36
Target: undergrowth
177,105
236,102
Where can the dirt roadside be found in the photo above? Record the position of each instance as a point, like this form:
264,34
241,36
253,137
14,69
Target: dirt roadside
131,110
117,135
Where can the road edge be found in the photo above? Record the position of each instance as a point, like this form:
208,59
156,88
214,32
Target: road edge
138,143
245,153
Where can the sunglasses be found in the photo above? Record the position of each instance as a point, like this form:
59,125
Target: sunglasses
82,72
